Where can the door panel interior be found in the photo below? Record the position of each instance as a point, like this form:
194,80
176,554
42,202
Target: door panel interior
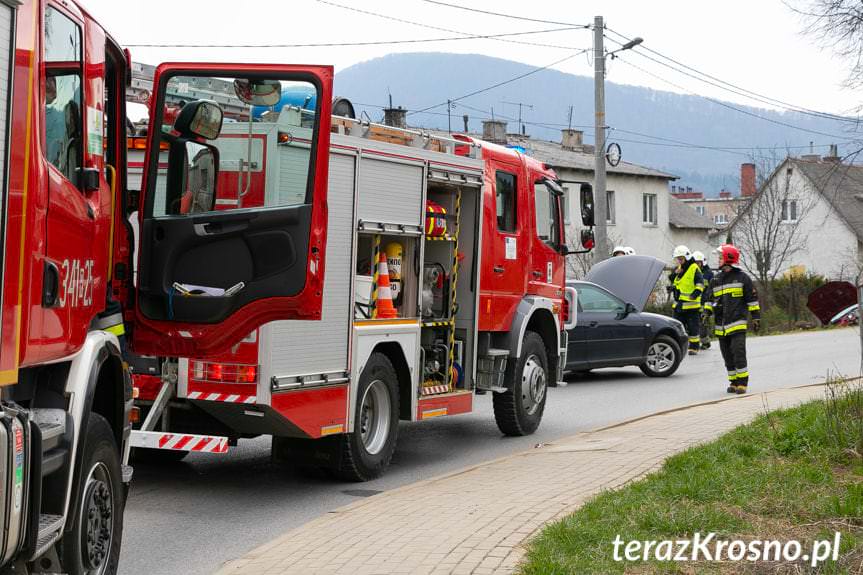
221,250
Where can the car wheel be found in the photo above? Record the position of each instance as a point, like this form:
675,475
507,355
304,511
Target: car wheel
663,357
518,410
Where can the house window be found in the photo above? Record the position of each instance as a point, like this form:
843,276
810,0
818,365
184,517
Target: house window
547,214
720,219
505,198
789,211
610,216
648,209
699,210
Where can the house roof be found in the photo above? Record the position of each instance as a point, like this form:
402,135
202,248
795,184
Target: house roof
555,155
682,216
841,185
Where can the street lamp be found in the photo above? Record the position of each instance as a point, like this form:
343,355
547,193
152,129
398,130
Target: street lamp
600,201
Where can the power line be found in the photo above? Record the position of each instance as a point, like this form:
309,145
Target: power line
499,84
438,28
368,43
736,89
730,107
502,15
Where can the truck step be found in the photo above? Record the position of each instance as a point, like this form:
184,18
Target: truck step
179,441
52,424
50,530
491,366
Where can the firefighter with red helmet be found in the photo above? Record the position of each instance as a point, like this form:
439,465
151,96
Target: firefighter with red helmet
732,298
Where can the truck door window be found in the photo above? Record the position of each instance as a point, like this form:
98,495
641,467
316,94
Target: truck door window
547,214
505,198
63,146
261,157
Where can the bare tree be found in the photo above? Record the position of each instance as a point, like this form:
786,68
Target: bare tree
838,24
768,229
578,265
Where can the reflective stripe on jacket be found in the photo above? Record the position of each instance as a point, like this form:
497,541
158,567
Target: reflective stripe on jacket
733,298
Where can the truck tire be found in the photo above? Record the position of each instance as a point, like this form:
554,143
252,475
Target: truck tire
367,452
92,546
518,410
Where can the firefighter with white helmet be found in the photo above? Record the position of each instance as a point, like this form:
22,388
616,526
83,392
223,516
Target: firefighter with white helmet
707,274
687,285
731,297
618,251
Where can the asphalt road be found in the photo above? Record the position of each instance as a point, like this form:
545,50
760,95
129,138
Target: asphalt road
191,517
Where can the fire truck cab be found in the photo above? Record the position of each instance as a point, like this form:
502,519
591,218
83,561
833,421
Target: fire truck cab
68,304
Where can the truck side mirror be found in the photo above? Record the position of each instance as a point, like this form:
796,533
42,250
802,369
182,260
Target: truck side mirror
586,193
587,239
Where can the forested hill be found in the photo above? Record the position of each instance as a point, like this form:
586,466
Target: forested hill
420,80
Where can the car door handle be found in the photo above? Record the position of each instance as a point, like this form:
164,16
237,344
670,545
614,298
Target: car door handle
594,323
498,269
536,274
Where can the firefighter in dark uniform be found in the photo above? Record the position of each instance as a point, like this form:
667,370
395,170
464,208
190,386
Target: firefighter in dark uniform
707,274
732,298
687,285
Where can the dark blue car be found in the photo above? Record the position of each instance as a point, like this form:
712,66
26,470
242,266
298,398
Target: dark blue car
611,328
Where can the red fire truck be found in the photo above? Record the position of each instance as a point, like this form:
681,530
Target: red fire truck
474,240
66,282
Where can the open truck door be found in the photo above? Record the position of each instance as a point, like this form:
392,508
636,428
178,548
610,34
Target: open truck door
211,266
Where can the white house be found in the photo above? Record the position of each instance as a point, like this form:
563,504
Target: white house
820,208
641,211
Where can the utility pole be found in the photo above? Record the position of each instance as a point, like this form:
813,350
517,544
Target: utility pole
599,200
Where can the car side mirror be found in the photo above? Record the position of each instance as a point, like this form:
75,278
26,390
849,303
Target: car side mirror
630,309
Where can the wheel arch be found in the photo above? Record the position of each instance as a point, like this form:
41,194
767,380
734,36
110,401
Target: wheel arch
536,314
394,352
99,378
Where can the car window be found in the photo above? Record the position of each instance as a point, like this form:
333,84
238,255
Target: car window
591,298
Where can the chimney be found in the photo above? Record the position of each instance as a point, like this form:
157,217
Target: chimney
834,155
494,131
395,117
725,195
572,140
747,180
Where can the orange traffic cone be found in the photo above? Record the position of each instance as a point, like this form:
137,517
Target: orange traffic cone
383,295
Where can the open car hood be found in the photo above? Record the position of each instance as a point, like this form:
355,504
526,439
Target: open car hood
631,278
831,298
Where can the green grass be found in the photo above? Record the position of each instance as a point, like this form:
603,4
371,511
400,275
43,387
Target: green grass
791,474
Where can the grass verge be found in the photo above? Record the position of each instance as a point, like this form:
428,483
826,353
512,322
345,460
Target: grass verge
795,474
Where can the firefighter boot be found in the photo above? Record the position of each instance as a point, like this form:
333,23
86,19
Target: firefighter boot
741,384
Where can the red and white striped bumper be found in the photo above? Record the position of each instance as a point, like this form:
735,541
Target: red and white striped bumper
179,441
223,397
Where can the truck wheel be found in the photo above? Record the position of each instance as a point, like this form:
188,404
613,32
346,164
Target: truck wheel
518,410
367,452
92,547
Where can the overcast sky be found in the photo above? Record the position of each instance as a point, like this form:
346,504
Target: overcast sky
755,44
